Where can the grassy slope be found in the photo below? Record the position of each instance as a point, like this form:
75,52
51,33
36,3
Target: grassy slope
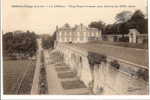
13,72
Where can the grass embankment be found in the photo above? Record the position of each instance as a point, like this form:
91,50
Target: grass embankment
18,76
124,44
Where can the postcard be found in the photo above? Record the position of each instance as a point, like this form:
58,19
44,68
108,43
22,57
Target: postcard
74,47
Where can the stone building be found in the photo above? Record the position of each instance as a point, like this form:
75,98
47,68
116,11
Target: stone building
77,34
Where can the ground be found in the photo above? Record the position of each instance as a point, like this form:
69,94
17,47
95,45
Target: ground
18,76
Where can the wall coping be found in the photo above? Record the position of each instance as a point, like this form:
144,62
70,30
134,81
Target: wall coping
84,52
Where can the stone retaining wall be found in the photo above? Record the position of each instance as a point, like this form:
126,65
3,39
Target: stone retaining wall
106,75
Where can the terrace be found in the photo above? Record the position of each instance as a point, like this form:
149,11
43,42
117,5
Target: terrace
133,55
107,64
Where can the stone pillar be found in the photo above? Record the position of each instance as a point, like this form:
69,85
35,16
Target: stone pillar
85,73
78,37
133,35
59,36
97,86
79,67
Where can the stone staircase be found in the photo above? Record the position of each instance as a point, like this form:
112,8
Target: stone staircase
67,78
70,82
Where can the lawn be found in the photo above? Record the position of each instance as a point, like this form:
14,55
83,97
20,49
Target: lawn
16,72
124,44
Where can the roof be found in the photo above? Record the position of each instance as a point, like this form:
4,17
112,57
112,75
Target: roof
133,55
78,28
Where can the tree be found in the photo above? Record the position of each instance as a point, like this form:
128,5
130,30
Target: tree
121,20
54,35
137,15
66,25
47,41
97,24
123,16
19,42
123,29
139,22
125,21
108,29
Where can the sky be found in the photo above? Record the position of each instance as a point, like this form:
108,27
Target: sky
44,20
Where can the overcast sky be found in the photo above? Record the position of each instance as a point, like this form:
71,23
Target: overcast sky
44,20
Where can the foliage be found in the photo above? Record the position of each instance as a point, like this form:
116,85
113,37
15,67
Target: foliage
126,21
97,24
123,16
54,36
95,58
142,73
115,64
139,22
67,25
19,42
47,41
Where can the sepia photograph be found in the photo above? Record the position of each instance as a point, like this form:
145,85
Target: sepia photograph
75,47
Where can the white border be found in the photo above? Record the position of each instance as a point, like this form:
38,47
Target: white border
148,14
67,97
1,55
75,97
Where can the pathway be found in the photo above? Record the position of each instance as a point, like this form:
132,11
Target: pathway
61,79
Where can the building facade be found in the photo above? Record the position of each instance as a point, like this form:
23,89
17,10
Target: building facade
77,34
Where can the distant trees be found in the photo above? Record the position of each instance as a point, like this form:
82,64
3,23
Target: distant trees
97,24
123,16
139,22
125,21
47,41
54,36
121,20
67,25
19,42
